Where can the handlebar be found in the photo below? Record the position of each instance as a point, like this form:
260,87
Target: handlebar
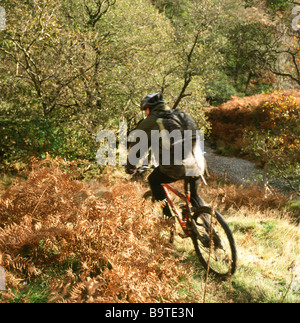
142,169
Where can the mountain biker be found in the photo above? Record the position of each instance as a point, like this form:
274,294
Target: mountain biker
160,117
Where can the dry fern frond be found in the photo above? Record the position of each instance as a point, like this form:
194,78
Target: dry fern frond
110,247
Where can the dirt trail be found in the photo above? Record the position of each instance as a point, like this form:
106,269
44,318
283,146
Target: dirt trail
239,171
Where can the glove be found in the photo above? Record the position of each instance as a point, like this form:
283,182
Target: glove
129,169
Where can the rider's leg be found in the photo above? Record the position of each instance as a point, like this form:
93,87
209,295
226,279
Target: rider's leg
196,200
155,179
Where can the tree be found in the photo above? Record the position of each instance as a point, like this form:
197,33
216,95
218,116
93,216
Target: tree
288,59
44,88
284,57
47,61
248,52
70,69
277,142
197,27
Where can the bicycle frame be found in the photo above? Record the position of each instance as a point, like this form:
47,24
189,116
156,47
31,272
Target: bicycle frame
223,263
186,198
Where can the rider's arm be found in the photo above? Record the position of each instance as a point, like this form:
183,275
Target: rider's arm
146,126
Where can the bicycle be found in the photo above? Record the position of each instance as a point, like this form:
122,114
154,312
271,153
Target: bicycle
211,236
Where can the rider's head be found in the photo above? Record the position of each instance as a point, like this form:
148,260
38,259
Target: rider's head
151,101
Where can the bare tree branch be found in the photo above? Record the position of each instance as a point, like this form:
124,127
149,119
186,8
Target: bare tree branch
96,14
295,65
188,75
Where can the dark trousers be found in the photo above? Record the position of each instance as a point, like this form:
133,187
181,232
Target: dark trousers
157,178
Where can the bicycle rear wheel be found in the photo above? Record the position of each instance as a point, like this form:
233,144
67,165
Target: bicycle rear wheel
213,242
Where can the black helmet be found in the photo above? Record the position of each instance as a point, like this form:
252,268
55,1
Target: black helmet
152,100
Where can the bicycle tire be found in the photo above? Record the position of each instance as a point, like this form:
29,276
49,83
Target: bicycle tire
209,240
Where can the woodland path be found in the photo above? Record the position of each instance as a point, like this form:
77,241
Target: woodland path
239,171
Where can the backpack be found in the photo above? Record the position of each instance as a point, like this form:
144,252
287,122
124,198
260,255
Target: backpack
176,119
177,147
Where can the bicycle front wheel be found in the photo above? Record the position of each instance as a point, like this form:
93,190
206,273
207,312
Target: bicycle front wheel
213,242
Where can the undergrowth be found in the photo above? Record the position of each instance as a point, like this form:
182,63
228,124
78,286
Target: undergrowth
232,119
67,240
68,245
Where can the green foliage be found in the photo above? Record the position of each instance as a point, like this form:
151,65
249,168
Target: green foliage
220,90
247,52
273,4
22,138
278,4
77,68
277,143
71,68
173,9
294,207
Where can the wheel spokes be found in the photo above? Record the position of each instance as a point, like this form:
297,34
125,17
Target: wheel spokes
213,243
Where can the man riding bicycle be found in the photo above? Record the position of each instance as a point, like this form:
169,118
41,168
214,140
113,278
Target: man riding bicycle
186,157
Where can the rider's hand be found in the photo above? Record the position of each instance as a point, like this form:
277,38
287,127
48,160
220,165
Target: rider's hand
129,169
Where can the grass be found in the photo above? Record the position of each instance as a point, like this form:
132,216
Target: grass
268,255
267,252
294,207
